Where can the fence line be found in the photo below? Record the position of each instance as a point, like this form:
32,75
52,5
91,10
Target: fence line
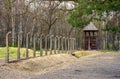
49,43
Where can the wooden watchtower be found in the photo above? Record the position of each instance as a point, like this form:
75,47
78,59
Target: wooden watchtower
90,37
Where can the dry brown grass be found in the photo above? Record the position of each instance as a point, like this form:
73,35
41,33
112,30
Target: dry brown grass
44,63
82,53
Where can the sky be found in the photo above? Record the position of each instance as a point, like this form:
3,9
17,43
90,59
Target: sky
67,4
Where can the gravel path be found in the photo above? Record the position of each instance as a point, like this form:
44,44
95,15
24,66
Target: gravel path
105,66
102,66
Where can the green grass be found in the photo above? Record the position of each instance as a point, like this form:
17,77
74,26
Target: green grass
13,52
110,51
2,52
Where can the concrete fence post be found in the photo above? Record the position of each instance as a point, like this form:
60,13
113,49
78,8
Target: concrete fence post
41,50
18,50
65,45
51,39
55,44
72,45
46,45
34,46
27,36
75,47
59,38
7,47
68,45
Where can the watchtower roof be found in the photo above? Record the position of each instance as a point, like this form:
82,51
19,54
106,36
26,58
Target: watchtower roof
90,27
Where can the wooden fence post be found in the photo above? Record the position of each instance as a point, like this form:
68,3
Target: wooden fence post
7,47
41,50
55,42
51,37
27,45
34,46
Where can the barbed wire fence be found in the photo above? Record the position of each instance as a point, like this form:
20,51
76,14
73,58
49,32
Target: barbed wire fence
41,45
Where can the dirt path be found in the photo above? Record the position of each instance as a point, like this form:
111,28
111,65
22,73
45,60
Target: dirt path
105,66
102,66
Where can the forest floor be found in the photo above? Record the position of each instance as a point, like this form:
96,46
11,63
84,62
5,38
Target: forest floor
63,66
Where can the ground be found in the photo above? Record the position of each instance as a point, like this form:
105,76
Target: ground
98,66
105,66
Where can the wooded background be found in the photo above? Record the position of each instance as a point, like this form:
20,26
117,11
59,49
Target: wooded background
35,16
50,17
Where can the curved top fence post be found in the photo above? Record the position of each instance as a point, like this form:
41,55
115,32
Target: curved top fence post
34,45
46,43
18,50
27,45
41,49
51,43
63,38
7,47
58,43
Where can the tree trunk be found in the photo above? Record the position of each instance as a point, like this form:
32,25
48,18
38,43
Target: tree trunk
13,29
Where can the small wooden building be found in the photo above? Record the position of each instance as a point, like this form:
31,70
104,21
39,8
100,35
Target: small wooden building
90,37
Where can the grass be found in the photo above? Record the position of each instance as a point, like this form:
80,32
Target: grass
82,53
13,52
110,51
